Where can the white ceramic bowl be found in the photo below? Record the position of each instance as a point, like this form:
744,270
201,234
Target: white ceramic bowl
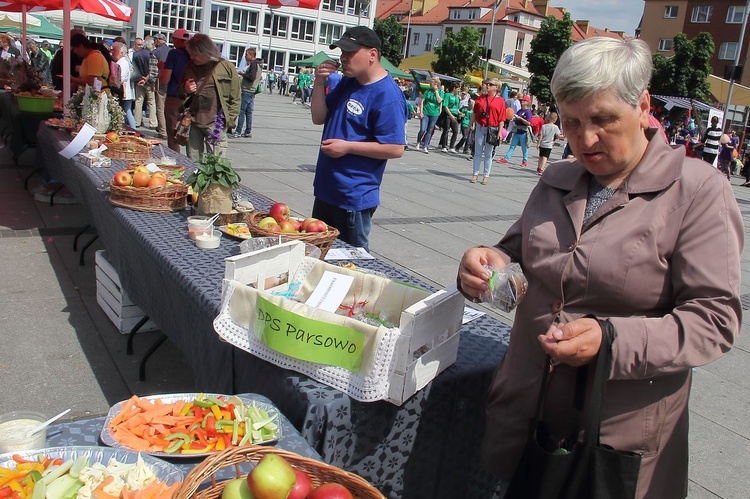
13,428
208,241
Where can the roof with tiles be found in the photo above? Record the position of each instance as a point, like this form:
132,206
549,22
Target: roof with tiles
436,12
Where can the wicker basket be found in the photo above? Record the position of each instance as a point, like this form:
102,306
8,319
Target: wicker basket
171,170
322,240
319,472
129,147
158,199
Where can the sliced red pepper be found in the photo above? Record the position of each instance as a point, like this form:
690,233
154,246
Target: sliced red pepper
230,408
211,426
57,462
5,492
21,460
227,439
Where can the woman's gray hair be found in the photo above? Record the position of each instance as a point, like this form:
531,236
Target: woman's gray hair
201,44
599,64
148,42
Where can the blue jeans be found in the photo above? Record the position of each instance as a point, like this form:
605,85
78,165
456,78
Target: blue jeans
426,128
354,226
246,112
127,106
481,147
519,138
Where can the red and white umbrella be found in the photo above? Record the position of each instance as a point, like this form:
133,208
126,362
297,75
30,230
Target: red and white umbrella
302,4
112,9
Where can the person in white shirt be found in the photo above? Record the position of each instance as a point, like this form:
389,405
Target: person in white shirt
548,134
121,78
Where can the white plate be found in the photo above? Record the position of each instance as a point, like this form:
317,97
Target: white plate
164,471
223,228
107,438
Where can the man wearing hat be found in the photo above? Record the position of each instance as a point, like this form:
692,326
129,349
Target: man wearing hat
44,47
171,76
364,118
160,52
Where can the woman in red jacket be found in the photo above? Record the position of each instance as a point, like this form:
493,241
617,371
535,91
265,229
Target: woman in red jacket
489,111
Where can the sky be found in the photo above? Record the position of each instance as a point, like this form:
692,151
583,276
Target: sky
617,15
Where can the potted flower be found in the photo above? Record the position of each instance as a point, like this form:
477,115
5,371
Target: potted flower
98,109
214,181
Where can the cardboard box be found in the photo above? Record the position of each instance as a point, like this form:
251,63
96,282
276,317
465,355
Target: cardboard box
402,359
114,300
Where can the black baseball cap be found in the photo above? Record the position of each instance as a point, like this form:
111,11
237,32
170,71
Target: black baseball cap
356,38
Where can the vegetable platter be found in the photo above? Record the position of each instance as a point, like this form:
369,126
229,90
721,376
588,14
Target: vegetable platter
189,425
86,472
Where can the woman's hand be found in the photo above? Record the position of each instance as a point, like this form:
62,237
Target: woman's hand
190,86
574,344
471,270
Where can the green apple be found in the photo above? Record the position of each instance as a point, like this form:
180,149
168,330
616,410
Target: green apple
272,478
237,489
265,222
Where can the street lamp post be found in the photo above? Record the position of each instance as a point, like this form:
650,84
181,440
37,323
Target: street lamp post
408,28
736,63
492,30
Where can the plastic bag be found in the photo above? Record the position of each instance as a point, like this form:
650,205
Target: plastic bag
507,287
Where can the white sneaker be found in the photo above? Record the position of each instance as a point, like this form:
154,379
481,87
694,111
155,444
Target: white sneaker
444,149
419,148
452,150
426,151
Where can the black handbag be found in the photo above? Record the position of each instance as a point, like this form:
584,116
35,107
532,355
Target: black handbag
493,135
576,470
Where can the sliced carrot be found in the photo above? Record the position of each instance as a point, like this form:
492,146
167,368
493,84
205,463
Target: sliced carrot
98,493
163,410
177,407
145,404
170,492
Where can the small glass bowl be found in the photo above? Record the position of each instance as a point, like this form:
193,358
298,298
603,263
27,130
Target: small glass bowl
13,438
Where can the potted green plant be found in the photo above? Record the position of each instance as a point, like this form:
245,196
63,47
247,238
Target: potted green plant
214,181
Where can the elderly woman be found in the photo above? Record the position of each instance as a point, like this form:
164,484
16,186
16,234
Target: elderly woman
217,103
633,232
489,111
121,79
7,49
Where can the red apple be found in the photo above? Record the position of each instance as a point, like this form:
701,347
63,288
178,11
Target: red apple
302,486
297,224
274,227
279,212
123,178
287,227
330,491
113,137
316,226
306,221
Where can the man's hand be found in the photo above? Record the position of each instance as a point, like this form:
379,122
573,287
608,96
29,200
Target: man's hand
471,270
335,148
574,344
325,69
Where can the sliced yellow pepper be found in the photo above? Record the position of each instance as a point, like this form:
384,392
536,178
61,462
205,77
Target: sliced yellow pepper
185,409
220,445
208,448
217,412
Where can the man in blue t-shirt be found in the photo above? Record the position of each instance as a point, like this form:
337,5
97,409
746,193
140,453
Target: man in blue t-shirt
364,118
171,76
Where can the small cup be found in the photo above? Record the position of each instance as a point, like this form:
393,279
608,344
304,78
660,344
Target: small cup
208,241
199,226
13,428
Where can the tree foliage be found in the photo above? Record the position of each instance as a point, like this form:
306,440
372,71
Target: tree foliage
459,53
553,39
686,73
391,35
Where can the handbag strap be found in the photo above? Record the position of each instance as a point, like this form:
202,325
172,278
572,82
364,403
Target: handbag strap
200,87
604,362
599,387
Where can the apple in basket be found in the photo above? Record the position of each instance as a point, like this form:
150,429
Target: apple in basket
316,226
237,489
288,227
279,212
141,179
273,477
330,491
123,178
269,224
307,222
113,137
302,485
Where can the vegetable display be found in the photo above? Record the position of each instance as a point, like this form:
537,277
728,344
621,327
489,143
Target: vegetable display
206,424
50,478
